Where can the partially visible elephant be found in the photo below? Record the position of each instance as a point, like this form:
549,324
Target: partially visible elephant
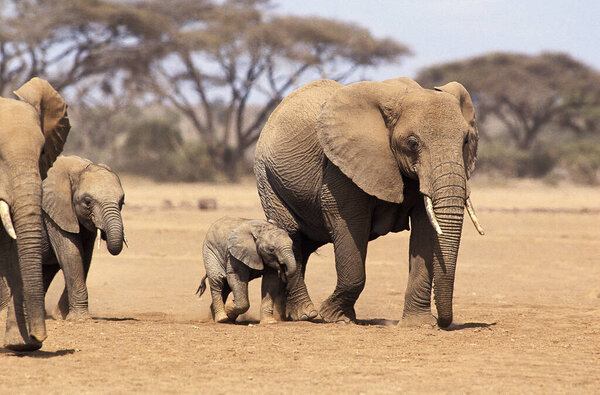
81,200
237,250
347,164
33,131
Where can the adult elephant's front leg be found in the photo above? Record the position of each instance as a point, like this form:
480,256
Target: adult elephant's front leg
417,299
347,212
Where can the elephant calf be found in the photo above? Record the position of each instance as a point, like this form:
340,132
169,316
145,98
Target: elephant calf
80,200
237,250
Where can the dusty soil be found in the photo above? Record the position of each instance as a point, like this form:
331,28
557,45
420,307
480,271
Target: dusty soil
527,309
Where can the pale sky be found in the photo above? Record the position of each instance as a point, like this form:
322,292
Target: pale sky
439,31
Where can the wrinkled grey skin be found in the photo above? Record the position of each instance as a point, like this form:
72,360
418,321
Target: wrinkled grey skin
237,250
347,164
80,197
32,133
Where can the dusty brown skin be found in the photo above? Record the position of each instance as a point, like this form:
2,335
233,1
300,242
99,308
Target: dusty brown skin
347,164
237,250
80,200
32,133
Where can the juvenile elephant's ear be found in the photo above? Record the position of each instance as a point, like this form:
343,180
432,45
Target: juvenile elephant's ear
468,111
53,118
354,131
241,244
57,197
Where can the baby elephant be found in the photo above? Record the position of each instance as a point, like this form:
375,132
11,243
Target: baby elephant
237,250
80,200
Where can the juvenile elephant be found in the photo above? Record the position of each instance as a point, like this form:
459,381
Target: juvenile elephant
81,200
237,250
32,133
347,164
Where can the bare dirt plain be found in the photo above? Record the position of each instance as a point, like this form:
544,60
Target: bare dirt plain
527,309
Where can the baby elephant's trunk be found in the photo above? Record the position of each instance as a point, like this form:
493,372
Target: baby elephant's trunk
202,286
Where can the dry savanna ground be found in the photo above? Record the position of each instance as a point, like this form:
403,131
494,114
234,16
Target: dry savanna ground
527,309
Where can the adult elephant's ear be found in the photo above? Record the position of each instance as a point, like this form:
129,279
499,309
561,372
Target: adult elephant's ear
57,197
241,244
53,118
354,131
468,111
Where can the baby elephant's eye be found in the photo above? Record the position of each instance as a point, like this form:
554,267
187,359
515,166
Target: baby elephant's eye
271,249
87,201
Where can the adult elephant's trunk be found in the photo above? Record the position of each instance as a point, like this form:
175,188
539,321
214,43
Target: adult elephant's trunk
449,194
27,218
113,226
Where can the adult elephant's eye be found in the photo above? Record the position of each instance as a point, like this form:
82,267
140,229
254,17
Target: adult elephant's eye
413,143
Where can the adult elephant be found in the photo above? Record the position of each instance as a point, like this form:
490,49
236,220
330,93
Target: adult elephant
347,164
32,133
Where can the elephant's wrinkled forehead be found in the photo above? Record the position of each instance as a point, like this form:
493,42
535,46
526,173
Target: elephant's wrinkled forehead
432,111
99,180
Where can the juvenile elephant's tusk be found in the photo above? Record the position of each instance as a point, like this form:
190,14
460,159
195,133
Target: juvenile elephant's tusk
471,212
6,220
125,241
431,215
99,237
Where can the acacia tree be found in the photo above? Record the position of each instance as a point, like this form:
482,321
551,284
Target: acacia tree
224,65
227,66
527,94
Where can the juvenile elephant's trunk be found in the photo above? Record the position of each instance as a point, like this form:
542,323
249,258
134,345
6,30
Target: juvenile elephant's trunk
449,193
113,226
27,218
288,261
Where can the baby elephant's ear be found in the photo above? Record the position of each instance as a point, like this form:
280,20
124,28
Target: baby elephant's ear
241,244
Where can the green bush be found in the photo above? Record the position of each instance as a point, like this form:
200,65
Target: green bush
582,161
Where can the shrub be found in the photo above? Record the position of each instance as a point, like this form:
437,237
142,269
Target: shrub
582,161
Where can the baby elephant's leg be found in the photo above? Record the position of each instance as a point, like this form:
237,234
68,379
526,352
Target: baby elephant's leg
218,306
272,290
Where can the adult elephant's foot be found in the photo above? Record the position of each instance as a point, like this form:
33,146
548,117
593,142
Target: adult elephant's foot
418,320
78,315
221,317
303,311
15,342
334,311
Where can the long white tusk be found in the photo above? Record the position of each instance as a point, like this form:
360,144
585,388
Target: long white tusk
99,237
431,215
6,220
471,212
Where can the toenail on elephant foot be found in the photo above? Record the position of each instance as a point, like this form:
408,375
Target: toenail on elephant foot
78,316
302,312
418,320
335,314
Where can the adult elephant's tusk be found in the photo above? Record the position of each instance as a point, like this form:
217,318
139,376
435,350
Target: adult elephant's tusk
6,220
471,212
431,215
99,237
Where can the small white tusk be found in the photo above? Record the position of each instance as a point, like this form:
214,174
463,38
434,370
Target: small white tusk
99,237
471,212
125,241
431,215
6,220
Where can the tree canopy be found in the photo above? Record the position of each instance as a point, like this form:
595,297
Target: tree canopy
527,94
224,65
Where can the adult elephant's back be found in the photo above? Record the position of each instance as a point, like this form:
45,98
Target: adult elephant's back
289,161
